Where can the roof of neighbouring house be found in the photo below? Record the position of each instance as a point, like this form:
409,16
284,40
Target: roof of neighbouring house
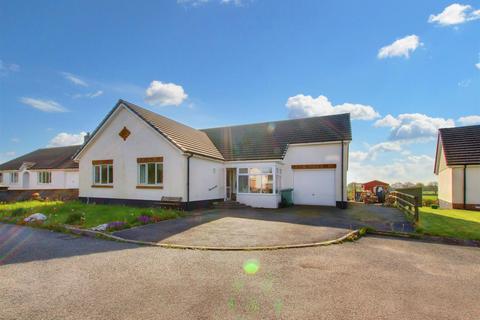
375,183
270,140
46,158
461,145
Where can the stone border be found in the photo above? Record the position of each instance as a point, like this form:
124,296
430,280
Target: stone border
351,236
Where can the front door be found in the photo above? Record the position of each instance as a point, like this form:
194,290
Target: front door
231,183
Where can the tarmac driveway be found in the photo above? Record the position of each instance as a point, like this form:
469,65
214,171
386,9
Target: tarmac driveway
265,227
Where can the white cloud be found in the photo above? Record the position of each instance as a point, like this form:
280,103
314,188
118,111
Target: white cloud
43,105
15,140
90,95
416,168
6,68
66,139
375,150
165,94
464,83
74,79
301,106
401,47
477,65
469,120
413,126
455,14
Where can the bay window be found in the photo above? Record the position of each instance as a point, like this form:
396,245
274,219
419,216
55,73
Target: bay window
255,180
44,177
150,171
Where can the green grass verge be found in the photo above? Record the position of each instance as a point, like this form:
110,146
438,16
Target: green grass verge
81,214
461,224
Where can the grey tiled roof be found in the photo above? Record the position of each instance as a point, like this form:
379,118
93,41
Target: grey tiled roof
269,140
184,137
46,158
461,145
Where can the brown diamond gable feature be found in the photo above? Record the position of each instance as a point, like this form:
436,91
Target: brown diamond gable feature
124,133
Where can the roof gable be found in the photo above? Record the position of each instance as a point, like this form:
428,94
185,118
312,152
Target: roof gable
185,138
461,145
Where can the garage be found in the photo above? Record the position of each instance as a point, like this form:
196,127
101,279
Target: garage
314,187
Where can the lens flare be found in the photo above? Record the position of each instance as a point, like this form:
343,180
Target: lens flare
251,266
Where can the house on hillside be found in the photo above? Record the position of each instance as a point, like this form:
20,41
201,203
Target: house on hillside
41,170
137,156
457,164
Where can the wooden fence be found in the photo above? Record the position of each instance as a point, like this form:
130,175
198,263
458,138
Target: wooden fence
407,203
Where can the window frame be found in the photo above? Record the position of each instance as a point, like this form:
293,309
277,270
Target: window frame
1,177
14,174
157,162
100,164
41,175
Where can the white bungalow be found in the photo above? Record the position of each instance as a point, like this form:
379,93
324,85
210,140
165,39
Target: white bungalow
137,156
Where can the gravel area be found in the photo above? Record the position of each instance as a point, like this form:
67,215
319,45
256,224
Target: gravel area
46,275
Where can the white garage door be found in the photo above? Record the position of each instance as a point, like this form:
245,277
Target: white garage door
314,187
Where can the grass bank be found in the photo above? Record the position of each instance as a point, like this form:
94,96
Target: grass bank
461,224
84,215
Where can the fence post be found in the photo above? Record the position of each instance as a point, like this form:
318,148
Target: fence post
416,209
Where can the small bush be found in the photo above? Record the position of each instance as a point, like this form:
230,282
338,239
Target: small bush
18,212
144,219
434,206
429,202
117,225
74,218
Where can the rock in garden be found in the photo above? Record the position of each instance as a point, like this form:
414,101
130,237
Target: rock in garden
101,227
35,217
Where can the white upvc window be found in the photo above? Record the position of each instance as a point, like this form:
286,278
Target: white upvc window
256,180
102,172
13,177
150,171
44,177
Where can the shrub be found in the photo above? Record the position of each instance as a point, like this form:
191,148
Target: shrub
18,212
74,218
143,219
429,202
434,206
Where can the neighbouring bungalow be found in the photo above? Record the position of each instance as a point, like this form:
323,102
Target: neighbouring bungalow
139,157
373,185
457,164
47,169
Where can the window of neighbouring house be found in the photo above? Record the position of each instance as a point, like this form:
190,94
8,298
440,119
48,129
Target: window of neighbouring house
44,177
150,171
1,177
102,172
13,177
255,180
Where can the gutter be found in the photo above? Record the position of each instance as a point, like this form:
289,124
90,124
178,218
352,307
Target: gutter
188,180
465,186
343,167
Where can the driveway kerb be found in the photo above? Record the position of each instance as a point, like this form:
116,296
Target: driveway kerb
352,235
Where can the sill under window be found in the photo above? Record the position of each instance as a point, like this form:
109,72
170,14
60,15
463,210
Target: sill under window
146,186
102,186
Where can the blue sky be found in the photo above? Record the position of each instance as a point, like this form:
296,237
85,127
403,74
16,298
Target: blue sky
402,68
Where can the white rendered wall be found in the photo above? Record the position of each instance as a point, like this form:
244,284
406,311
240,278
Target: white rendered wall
445,185
58,180
473,185
317,154
207,179
142,142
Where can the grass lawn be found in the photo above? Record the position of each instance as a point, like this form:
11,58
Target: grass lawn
463,224
81,214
